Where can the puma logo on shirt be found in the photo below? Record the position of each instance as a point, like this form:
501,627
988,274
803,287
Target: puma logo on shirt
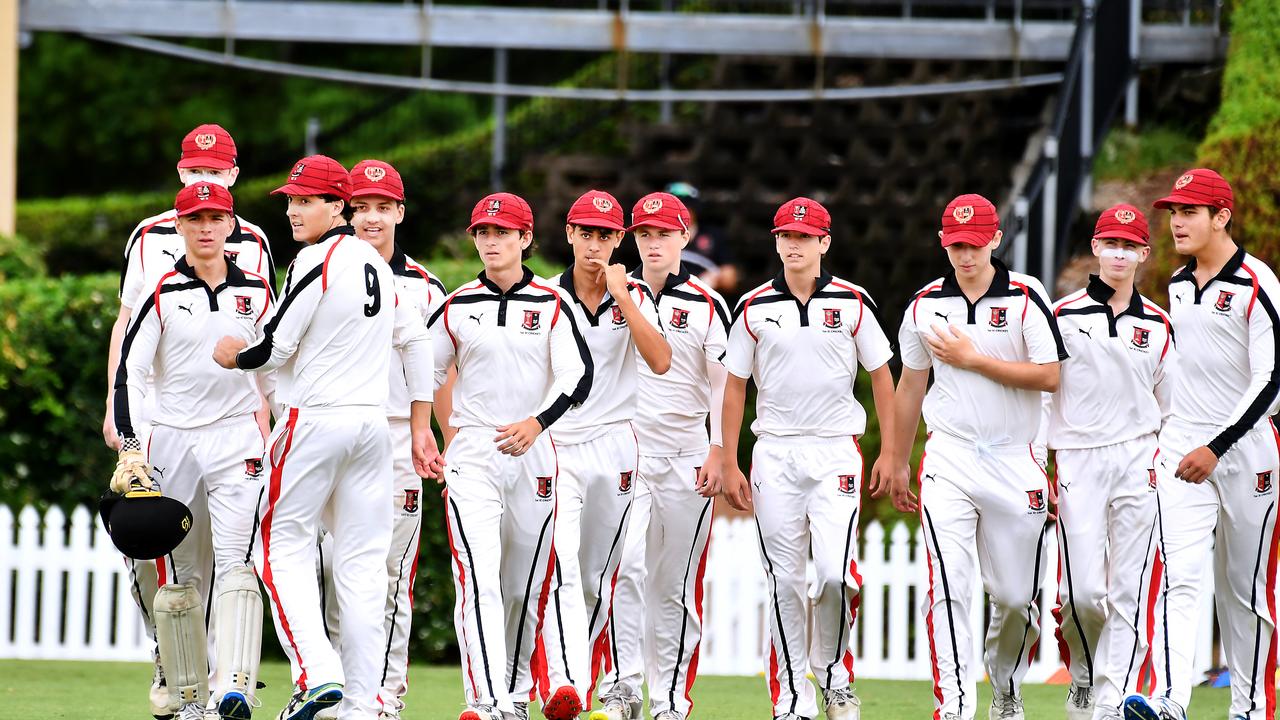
185,307
775,320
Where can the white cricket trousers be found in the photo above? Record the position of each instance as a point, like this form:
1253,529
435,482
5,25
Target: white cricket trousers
1234,513
216,471
983,511
501,517
330,467
402,565
1107,543
593,510
656,627
807,493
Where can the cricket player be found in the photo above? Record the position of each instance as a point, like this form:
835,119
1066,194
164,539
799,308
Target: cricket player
208,155
205,449
1219,460
522,364
330,458
993,345
1102,425
596,446
656,627
802,337
377,204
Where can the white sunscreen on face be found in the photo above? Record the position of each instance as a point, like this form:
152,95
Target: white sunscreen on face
1120,254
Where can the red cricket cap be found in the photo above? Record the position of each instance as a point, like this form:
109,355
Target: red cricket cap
1122,222
202,196
802,215
317,175
1199,187
661,210
970,219
597,209
208,146
374,177
504,210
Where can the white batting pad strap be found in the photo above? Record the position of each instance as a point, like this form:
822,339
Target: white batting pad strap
180,633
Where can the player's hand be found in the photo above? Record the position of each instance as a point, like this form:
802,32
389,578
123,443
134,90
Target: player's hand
878,483
427,460
736,490
711,474
225,352
109,435
517,438
131,468
615,280
900,489
952,346
1197,465
1051,515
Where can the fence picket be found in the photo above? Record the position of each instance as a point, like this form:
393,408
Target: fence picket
94,616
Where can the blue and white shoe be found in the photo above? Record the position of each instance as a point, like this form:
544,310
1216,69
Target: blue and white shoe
1141,707
305,704
235,706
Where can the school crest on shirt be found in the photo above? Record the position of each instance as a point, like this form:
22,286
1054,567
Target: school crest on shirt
831,317
1264,482
532,320
848,484
1141,337
617,316
253,467
411,501
624,481
999,317
544,487
1035,500
1223,304
679,318
244,305
1151,478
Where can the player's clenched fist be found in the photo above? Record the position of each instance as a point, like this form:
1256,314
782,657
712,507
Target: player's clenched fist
225,352
132,466
517,438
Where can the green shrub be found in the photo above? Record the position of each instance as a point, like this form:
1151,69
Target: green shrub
19,259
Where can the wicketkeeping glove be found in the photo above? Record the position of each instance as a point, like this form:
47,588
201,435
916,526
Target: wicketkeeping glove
131,467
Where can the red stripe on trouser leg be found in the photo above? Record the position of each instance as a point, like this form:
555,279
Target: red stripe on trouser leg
1269,677
1153,594
692,674
538,671
1064,650
462,597
268,578
162,572
601,659
928,617
775,687
854,603
544,680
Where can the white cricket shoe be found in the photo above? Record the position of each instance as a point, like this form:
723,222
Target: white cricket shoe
480,712
620,704
668,715
1006,707
521,712
1080,703
1141,707
842,704
159,695
191,711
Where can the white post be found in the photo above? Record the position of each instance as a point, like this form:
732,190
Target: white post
1086,103
1049,213
1135,39
499,158
1021,208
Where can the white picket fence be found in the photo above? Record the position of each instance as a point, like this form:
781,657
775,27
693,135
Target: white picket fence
64,594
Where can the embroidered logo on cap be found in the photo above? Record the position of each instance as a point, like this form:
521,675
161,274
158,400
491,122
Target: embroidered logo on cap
962,213
202,192
495,207
652,205
799,212
602,204
1184,181
204,141
297,170
375,173
1126,216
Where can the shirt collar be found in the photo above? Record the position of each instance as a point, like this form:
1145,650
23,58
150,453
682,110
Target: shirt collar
397,260
524,280
1229,270
999,282
1101,292
674,280
334,232
234,274
780,282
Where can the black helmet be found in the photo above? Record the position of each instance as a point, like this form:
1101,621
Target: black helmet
143,524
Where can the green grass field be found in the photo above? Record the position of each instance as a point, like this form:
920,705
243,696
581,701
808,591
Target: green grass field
118,691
